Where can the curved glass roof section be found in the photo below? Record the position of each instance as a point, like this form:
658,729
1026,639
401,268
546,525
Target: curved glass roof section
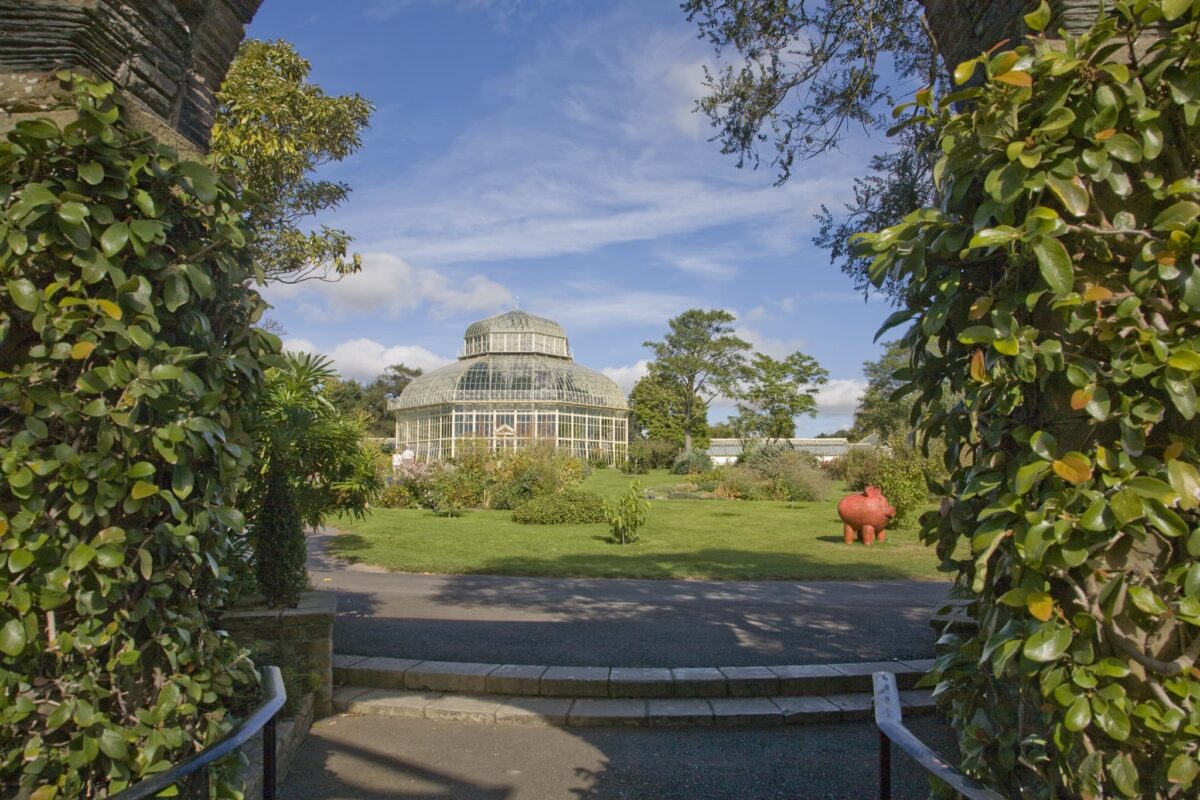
512,377
513,357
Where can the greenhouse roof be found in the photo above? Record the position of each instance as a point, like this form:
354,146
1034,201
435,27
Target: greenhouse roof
515,322
511,378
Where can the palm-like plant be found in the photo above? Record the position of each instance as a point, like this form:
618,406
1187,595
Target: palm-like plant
312,462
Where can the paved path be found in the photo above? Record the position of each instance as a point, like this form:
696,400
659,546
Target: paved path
624,622
372,758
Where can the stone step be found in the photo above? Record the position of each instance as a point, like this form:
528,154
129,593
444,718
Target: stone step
494,709
529,680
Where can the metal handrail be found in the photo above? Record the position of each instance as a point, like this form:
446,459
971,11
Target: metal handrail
890,722
262,719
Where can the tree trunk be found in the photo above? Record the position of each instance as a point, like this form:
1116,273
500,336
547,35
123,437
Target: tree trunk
687,440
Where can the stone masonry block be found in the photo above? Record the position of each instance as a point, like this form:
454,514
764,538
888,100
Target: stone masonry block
575,682
607,711
640,682
745,711
807,679
699,682
751,681
520,679
534,711
465,708
665,713
376,672
449,676
807,709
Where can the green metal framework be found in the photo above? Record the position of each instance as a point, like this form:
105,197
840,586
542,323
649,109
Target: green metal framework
514,386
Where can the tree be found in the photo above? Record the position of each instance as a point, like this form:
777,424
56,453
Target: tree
287,128
657,410
311,462
773,393
388,385
722,430
878,412
809,72
1057,290
701,357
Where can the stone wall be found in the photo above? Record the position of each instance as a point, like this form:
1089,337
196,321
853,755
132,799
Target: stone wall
964,28
169,56
300,639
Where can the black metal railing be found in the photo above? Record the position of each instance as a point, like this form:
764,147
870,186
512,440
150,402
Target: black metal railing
890,722
263,718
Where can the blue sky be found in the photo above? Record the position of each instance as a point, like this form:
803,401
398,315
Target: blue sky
545,152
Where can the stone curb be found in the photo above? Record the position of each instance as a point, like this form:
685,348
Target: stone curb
529,680
619,711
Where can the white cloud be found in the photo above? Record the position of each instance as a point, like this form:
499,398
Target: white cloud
704,266
626,377
761,343
839,397
365,359
391,286
587,305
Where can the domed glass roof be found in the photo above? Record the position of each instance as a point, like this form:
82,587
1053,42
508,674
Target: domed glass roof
513,357
515,321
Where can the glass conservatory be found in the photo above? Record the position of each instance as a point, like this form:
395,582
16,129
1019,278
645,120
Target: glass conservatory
514,385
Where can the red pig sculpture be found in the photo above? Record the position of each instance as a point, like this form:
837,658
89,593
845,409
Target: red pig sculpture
865,514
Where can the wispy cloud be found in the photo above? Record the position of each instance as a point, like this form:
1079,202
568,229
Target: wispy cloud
626,377
390,286
570,166
840,396
365,359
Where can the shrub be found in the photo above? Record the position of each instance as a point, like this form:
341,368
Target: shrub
648,454
863,467
597,460
520,476
128,365
627,515
279,548
399,495
454,490
692,463
635,467
1056,294
774,473
573,507
902,478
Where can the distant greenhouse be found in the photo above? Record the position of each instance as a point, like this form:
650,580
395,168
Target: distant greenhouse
727,451
515,385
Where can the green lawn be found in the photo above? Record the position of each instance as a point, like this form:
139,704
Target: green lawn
714,539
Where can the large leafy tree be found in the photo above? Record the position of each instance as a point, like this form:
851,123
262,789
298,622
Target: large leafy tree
879,411
797,77
657,413
1057,291
702,358
285,128
773,392
388,385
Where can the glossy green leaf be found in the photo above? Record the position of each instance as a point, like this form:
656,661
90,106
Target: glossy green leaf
1055,265
114,239
1071,192
1124,147
23,293
1180,213
12,638
1048,643
91,172
1079,715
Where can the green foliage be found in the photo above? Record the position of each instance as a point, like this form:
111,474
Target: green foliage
531,472
772,393
285,129
648,454
899,470
701,358
627,515
453,490
810,71
399,495
657,410
279,548
691,463
1057,291
879,411
128,361
572,507
774,472
389,384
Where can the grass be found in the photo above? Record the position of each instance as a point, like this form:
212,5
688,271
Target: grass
711,539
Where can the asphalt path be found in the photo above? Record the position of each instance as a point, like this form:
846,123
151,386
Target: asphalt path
637,623
373,758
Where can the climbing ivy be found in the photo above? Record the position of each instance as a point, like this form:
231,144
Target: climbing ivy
127,360
1056,290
